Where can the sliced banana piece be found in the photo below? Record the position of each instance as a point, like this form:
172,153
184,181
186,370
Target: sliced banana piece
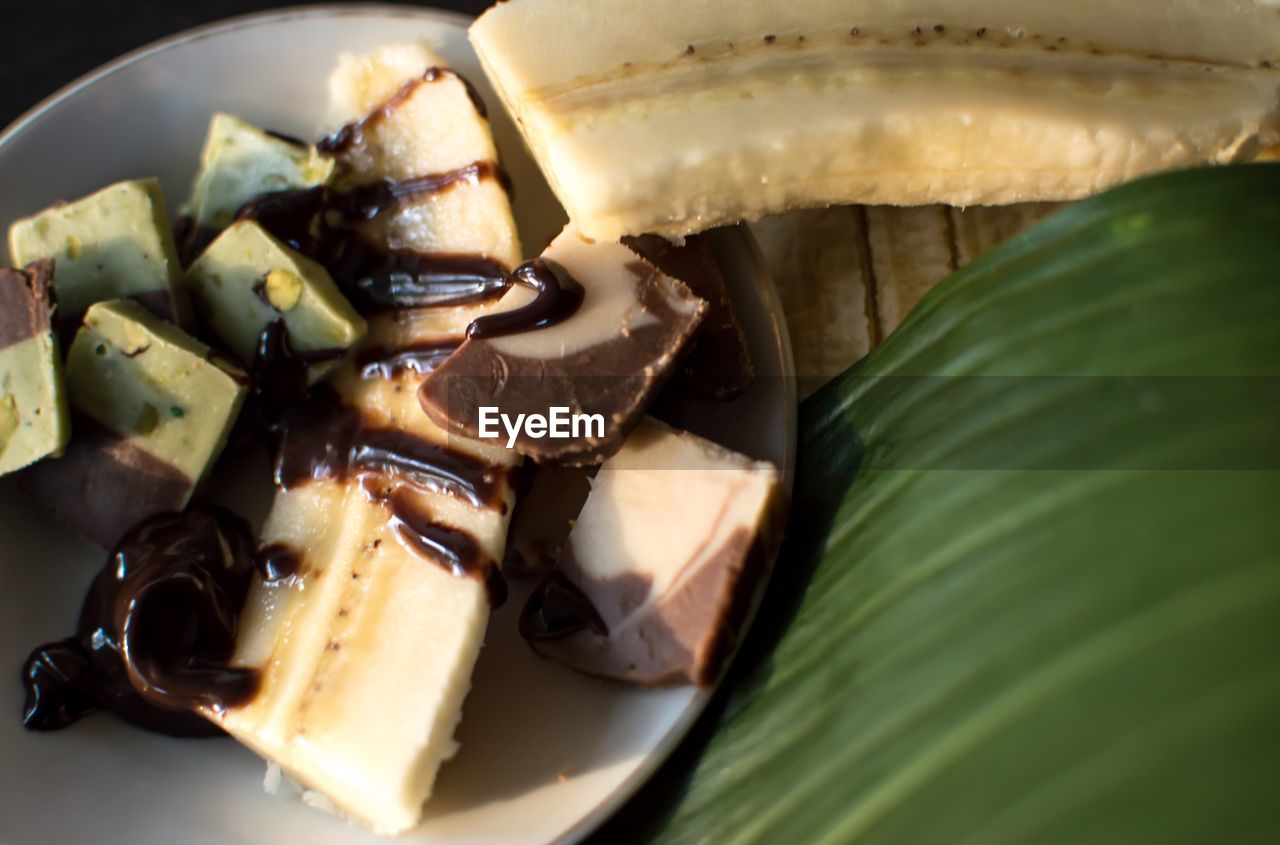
670,117
383,563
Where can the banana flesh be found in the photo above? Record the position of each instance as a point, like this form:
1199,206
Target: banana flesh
713,112
367,650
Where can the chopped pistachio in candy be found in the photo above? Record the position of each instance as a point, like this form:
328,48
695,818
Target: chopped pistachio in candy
33,405
248,279
114,244
152,408
240,161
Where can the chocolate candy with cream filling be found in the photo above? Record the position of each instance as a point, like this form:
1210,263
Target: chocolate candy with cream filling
662,563
605,358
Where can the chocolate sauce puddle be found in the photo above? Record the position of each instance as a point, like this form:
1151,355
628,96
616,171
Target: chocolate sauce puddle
156,631
279,376
558,297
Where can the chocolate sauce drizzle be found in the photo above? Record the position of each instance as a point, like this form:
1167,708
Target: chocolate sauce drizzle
365,202
352,134
455,550
278,378
558,298
327,439
312,221
156,631
277,562
390,362
321,437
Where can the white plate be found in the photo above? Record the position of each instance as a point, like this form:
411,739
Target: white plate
546,754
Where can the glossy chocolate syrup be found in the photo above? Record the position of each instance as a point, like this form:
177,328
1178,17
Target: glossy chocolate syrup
352,134
278,377
326,439
322,437
156,631
278,562
558,609
455,550
390,362
312,221
559,296
380,280
365,202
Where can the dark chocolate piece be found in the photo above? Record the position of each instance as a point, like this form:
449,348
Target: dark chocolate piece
156,631
603,363
718,363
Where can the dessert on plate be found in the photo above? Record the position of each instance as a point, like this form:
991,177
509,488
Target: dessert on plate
445,409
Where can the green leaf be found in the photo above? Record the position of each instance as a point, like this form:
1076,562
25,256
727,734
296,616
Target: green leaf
1031,592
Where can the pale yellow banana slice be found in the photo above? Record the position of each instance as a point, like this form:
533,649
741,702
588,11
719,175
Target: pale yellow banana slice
672,116
367,647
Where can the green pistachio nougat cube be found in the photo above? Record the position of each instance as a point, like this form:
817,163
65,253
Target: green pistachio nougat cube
247,279
113,244
33,405
241,161
151,409
147,380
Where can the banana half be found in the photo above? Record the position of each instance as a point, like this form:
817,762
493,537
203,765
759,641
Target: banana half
671,116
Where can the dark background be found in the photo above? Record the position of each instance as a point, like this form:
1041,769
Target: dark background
49,43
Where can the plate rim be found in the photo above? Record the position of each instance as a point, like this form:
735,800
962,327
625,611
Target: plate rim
211,29
769,294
